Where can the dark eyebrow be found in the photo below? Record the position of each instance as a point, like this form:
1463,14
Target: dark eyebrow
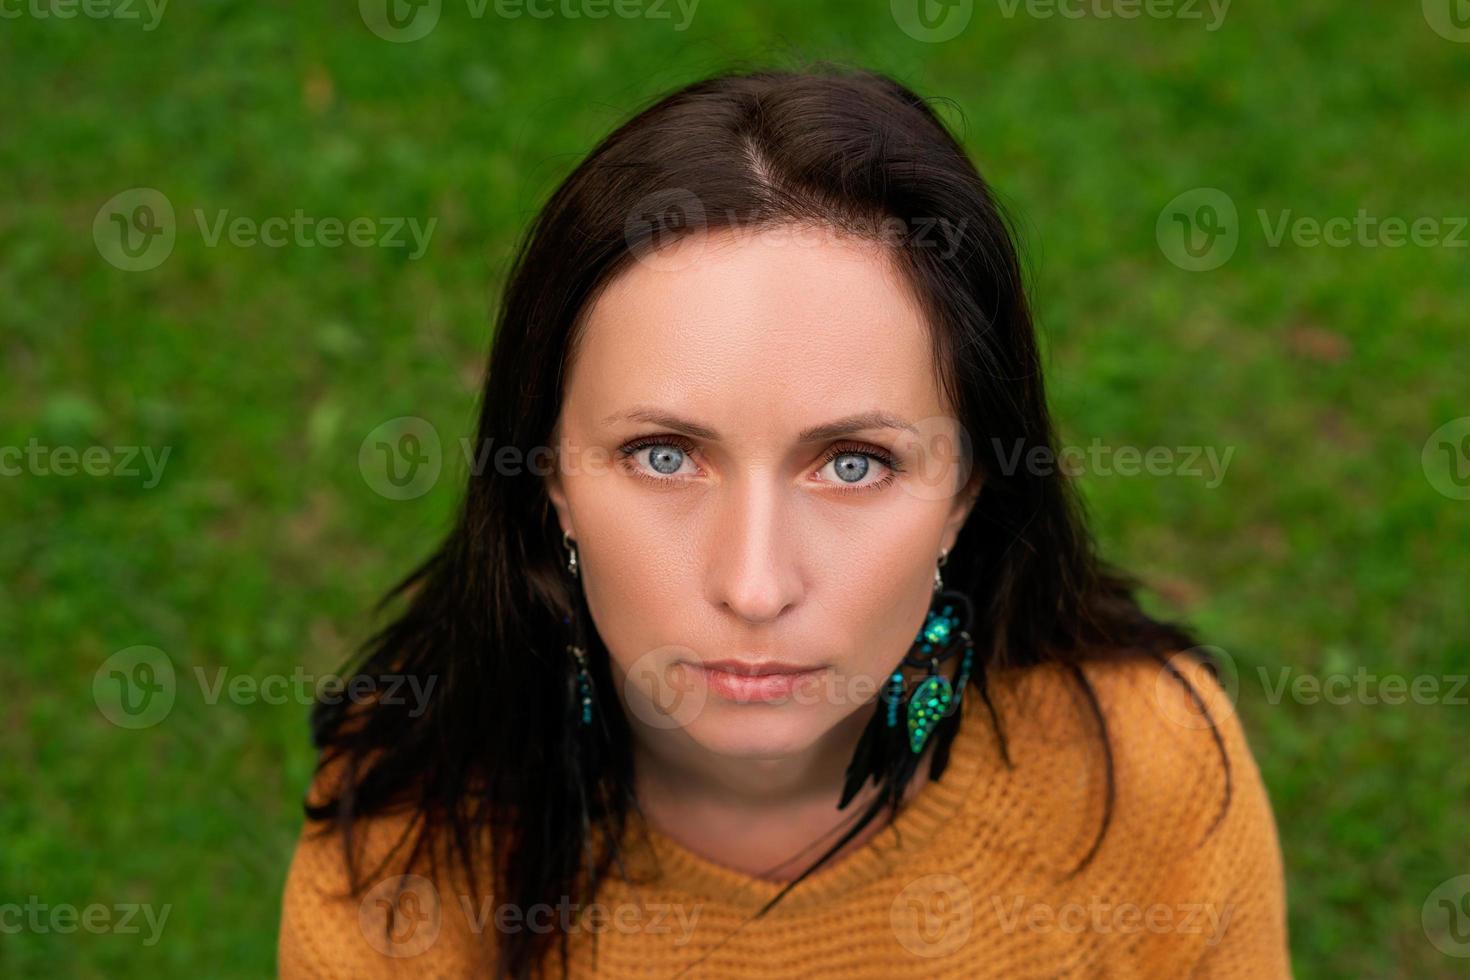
821,433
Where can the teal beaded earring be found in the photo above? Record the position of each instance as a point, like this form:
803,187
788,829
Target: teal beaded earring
944,633
931,701
582,678
584,685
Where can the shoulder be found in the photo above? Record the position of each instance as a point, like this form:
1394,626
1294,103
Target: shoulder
1189,756
1166,728
1190,818
399,920
1180,745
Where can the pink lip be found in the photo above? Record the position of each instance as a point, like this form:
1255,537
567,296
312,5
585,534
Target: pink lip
756,668
755,680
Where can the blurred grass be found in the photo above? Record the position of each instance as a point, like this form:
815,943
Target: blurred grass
1325,548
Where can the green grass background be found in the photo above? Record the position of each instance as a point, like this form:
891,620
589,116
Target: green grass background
1324,549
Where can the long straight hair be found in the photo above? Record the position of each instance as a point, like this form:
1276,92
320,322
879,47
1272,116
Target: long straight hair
494,766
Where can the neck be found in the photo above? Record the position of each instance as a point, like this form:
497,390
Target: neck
766,817
670,764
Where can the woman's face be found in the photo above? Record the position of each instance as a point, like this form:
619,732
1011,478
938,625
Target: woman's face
759,473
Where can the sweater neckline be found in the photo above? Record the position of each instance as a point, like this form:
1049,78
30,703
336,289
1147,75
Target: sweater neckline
921,825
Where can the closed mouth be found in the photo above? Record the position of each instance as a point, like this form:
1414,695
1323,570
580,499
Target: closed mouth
757,668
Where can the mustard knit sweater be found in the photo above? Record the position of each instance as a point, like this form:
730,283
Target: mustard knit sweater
969,881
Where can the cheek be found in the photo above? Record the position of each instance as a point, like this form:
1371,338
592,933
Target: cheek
879,614
637,568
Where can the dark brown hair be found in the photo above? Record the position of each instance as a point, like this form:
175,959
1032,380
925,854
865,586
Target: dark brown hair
492,768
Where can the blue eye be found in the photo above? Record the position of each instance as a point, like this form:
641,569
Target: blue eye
665,459
850,467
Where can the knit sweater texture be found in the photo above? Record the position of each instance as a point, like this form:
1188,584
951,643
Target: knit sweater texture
974,878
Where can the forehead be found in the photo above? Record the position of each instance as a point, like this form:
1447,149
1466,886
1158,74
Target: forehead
772,329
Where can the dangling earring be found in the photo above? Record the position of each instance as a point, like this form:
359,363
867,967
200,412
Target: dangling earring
584,684
571,546
929,694
944,633
883,750
582,677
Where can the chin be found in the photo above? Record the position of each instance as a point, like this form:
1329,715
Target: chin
759,731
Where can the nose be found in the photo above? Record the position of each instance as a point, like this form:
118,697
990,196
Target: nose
753,563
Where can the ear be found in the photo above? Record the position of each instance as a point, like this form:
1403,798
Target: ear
964,502
556,493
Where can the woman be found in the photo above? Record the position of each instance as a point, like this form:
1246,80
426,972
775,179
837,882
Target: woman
767,643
